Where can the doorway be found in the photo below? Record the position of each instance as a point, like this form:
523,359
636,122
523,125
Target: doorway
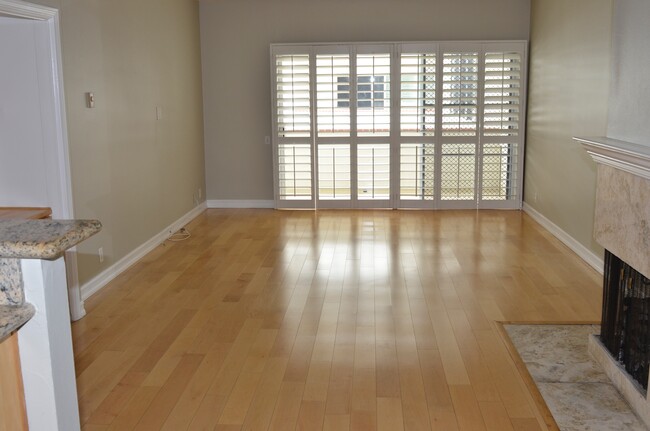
34,161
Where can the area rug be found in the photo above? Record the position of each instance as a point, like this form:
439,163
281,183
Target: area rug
574,387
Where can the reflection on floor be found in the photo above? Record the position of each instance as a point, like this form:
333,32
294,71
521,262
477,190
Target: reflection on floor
574,386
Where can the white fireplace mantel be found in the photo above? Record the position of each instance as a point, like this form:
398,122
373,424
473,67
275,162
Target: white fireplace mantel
622,210
626,156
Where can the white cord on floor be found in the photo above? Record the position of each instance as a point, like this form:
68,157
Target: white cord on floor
180,235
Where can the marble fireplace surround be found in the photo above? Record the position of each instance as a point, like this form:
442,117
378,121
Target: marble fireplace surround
622,225
622,214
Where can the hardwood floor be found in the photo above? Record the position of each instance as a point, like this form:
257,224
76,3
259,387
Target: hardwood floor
332,320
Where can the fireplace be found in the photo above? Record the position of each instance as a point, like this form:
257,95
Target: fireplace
625,326
622,227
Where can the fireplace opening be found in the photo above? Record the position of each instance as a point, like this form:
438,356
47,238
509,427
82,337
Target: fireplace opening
625,326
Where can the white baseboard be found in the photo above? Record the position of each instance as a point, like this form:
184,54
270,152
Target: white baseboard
240,203
104,277
585,254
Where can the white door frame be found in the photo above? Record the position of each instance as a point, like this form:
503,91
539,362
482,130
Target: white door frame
50,73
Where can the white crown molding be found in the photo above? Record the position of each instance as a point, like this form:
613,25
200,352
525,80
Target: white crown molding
626,156
22,9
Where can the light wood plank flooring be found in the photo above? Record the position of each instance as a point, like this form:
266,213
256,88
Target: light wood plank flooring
330,320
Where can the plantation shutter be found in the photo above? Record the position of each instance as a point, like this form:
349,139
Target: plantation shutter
419,120
373,94
460,93
502,125
409,125
502,94
292,134
292,96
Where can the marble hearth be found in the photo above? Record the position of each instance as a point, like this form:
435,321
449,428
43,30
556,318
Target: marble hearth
622,226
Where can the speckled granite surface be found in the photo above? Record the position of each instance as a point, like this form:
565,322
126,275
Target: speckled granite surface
31,239
574,386
13,317
43,239
11,282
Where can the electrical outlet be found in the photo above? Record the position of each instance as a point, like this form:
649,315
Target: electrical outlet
535,197
100,254
200,193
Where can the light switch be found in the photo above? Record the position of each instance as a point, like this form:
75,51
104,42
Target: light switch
158,113
90,100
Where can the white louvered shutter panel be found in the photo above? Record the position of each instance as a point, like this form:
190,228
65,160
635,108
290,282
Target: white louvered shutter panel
334,173
502,138
373,94
500,173
333,95
373,171
418,94
502,94
293,114
293,129
460,93
294,172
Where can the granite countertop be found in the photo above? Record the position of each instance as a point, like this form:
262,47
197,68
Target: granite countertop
13,317
43,239
31,239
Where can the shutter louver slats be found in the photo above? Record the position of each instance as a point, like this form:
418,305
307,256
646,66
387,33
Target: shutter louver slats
334,175
418,95
460,94
293,114
500,175
373,94
373,171
333,95
294,171
417,168
502,94
460,134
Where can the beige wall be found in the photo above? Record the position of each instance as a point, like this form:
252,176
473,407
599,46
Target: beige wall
629,102
235,39
568,94
134,173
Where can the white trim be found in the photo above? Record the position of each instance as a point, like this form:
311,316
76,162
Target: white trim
626,156
59,180
45,346
583,252
240,203
23,9
103,278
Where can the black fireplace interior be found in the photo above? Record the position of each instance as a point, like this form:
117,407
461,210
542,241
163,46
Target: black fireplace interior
625,326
